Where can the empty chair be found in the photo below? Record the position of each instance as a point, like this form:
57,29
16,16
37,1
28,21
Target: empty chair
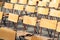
22,1
18,7
8,6
32,21
42,3
48,24
54,4
7,34
43,11
54,13
58,30
30,9
13,1
13,18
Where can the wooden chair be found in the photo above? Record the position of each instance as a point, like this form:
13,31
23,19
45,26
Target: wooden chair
18,8
58,29
28,9
54,4
54,13
42,3
49,24
7,34
22,1
43,11
8,6
13,1
13,18
32,21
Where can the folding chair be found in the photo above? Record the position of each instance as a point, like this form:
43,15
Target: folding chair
7,34
1,17
43,11
49,24
30,9
8,6
54,4
13,1
32,21
42,3
22,1
58,29
54,13
13,18
19,8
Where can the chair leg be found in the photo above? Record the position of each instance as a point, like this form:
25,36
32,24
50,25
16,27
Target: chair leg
24,27
58,37
49,33
40,31
54,35
15,26
34,29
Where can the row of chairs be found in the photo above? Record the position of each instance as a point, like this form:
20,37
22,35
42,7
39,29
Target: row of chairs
40,10
52,3
27,20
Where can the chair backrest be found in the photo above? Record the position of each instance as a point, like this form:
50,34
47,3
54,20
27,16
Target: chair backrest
49,24
18,7
8,5
29,20
32,2
54,3
7,34
36,38
42,3
1,15
30,9
55,13
13,17
43,11
13,1
22,1
58,27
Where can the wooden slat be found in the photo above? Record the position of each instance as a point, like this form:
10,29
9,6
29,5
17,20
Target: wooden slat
43,11
55,13
49,24
30,9
13,17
